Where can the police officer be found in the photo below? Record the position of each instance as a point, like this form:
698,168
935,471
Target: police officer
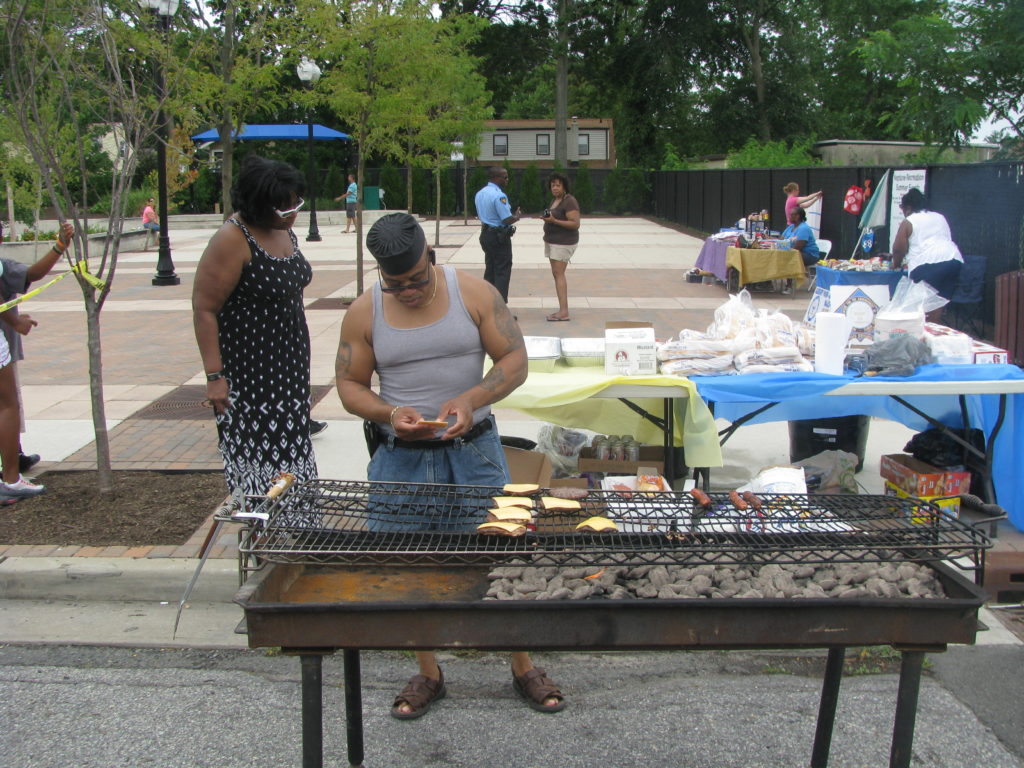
496,230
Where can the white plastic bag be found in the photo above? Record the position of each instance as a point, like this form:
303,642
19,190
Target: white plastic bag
562,447
733,316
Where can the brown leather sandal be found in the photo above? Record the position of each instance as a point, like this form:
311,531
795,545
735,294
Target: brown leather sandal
419,693
535,686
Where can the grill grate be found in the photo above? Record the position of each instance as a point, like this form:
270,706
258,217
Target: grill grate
426,524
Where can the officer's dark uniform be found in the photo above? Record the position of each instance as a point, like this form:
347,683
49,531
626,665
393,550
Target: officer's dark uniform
492,208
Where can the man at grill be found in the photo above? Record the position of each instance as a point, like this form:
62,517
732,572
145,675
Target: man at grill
425,331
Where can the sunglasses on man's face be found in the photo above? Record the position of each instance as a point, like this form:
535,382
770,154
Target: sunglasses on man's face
290,211
407,286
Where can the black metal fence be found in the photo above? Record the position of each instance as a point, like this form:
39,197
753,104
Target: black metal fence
983,202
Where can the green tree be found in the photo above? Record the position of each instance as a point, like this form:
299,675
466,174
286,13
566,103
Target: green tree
374,82
231,68
70,65
927,57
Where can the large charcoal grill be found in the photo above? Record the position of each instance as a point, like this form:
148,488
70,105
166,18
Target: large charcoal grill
344,585
663,528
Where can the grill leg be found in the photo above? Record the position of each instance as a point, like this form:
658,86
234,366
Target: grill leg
312,710
827,707
353,707
906,709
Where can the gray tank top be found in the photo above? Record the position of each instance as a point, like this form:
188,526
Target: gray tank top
425,367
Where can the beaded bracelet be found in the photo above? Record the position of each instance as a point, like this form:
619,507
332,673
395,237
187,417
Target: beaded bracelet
391,418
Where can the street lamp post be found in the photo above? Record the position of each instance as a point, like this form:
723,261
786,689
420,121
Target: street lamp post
309,73
165,275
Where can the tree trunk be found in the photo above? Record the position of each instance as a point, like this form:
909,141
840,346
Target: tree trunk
227,142
752,40
437,207
104,473
360,167
11,232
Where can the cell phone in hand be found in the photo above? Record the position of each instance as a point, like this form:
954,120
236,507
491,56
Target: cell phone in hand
429,423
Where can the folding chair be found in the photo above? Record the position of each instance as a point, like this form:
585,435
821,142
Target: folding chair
824,248
965,306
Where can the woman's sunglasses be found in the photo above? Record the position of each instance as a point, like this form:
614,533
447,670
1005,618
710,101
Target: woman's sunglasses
290,211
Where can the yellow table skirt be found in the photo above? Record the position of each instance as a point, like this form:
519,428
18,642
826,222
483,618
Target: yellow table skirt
757,265
570,397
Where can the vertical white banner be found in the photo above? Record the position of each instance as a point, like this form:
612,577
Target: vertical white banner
902,182
814,218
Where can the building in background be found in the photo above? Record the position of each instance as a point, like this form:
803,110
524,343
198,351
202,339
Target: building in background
521,142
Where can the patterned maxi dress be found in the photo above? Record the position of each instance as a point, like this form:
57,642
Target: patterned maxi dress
264,344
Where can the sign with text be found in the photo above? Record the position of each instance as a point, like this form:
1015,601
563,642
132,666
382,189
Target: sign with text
902,182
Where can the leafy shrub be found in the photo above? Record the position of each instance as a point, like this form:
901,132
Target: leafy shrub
531,193
422,192
626,191
335,184
773,154
477,180
583,188
392,184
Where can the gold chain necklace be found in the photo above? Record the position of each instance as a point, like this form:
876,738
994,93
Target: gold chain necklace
433,272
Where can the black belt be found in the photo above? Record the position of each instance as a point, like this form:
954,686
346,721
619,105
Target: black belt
478,429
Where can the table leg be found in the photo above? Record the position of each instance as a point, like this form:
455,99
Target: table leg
906,709
669,442
353,707
312,710
827,707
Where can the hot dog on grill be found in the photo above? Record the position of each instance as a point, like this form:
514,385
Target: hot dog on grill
752,500
737,501
700,497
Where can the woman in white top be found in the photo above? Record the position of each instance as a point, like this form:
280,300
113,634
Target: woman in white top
925,243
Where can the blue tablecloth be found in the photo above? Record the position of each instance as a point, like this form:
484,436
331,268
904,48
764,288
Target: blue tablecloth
828,277
803,396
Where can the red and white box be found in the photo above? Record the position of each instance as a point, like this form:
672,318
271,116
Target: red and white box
981,352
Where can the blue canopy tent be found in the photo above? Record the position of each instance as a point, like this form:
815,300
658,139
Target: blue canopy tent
273,131
269,132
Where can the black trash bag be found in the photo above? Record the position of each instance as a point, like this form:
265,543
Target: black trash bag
935,447
898,356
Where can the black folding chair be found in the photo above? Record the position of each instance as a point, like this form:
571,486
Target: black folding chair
965,308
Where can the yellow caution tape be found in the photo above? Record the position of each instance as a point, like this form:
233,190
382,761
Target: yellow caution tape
80,267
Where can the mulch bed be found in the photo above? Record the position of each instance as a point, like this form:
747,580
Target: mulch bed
145,509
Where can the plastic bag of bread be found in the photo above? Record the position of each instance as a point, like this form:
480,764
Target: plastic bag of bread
733,316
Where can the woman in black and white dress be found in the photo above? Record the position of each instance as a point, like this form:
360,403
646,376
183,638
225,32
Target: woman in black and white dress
251,328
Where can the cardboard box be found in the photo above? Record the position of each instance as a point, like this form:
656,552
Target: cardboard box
949,506
981,352
920,479
986,353
528,466
650,456
629,348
